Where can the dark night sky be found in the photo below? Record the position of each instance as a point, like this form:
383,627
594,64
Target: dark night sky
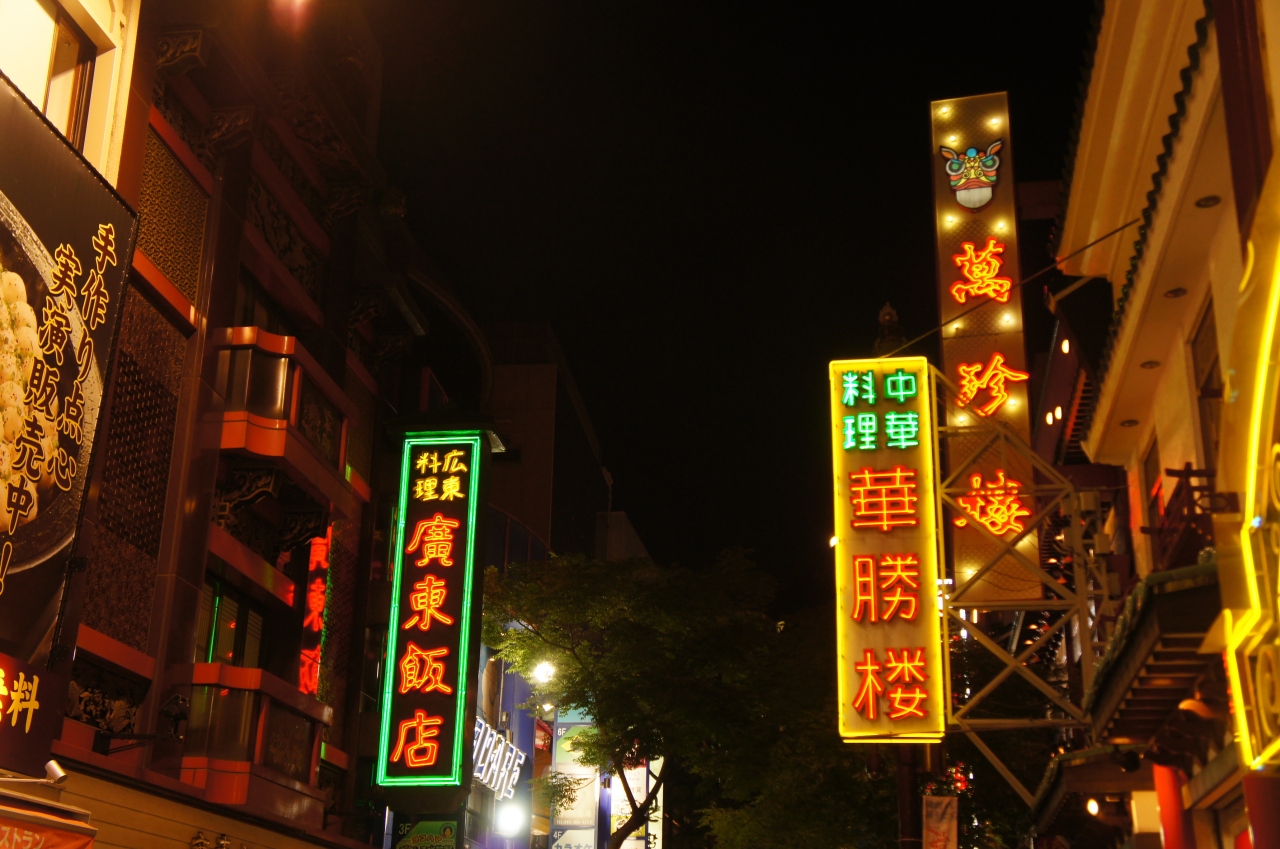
708,202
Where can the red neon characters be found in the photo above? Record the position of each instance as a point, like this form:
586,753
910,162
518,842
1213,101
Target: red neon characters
423,750
979,270
883,500
906,699
435,536
422,670
994,504
992,378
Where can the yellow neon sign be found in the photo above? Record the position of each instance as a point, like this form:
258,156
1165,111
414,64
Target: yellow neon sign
887,546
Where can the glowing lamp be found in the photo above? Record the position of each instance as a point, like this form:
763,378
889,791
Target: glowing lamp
544,672
835,540
1066,346
1048,418
510,819
1092,807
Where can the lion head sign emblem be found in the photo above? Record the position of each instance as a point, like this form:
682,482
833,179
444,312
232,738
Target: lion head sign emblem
973,174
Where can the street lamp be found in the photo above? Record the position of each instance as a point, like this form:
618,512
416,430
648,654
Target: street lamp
544,672
510,819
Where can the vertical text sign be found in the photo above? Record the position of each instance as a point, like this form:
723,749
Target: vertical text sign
428,635
887,550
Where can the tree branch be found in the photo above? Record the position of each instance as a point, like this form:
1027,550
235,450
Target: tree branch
626,786
639,814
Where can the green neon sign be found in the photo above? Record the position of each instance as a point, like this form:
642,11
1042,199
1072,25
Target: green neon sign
424,691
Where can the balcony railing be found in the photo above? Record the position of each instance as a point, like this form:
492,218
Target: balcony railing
1186,523
254,740
279,402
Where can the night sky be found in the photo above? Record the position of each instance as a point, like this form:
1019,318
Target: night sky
708,202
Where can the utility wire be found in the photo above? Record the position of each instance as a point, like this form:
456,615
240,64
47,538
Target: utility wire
1023,282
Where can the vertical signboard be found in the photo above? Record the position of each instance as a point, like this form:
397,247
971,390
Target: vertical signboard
980,310
887,551
423,741
576,826
65,244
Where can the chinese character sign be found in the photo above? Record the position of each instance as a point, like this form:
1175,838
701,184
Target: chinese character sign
432,626
887,550
309,656
31,707
66,245
979,299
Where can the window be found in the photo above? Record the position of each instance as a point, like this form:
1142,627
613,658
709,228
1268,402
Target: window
50,60
1208,376
255,308
229,629
1153,483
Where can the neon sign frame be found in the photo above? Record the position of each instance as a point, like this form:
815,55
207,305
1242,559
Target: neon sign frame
453,775
888,560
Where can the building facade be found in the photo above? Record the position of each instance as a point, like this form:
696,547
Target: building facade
223,626
1159,388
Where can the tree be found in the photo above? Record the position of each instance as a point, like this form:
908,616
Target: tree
790,782
667,660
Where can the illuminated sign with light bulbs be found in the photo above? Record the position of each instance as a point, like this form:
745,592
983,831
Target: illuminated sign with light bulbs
887,549
980,307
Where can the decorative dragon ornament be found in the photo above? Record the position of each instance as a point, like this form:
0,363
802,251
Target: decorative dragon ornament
973,174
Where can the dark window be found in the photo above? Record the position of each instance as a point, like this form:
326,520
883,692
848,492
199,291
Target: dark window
255,308
1204,355
66,99
229,629
1153,482
1244,99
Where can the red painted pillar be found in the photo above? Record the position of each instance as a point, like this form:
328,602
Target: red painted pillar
1175,821
1262,801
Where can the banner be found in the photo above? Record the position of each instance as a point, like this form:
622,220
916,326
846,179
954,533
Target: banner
940,822
28,830
66,240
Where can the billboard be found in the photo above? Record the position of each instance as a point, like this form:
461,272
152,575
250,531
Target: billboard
66,239
887,550
423,740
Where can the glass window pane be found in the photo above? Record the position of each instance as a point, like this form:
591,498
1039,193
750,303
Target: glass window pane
252,639
61,95
26,40
224,638
204,617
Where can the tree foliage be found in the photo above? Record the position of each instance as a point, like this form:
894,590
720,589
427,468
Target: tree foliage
791,782
668,661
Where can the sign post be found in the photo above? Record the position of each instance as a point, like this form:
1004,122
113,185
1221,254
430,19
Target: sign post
888,551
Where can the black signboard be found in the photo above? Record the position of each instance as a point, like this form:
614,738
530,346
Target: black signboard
66,240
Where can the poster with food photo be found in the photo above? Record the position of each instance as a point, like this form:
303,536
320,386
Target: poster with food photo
66,239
